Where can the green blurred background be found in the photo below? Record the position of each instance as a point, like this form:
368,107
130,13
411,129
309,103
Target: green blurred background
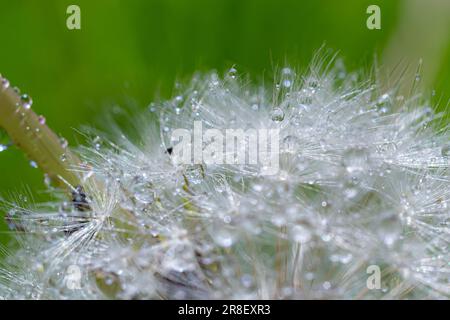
132,51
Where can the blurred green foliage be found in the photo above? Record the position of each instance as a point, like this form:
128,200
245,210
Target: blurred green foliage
134,51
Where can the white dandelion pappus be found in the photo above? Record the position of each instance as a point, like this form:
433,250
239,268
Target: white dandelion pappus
363,180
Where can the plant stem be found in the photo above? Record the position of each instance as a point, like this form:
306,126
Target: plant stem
29,133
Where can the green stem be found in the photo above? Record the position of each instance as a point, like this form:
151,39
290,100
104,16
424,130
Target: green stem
29,133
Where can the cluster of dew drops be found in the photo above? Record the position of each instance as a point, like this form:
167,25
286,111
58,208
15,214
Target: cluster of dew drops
23,106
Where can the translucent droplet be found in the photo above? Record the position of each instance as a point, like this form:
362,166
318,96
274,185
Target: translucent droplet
3,147
63,157
41,120
195,174
287,83
224,238
26,101
290,144
384,103
300,234
232,73
326,285
445,151
65,207
277,115
355,160
33,164
47,180
4,83
286,71
152,107
324,204
144,194
63,142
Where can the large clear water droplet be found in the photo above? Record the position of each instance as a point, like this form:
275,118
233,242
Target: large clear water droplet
355,160
277,115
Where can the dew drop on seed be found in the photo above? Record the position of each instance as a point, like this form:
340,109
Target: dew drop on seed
47,180
63,142
195,174
300,234
144,195
326,285
445,151
286,71
290,144
224,238
287,83
355,160
232,73
277,115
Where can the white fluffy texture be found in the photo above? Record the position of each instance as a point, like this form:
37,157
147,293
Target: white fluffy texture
363,181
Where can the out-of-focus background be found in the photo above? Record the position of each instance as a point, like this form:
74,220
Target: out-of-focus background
133,51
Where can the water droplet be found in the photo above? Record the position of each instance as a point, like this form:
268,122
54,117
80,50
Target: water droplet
300,234
287,83
4,83
65,208
355,160
326,285
63,142
152,107
277,115
290,144
47,180
63,157
445,151
41,120
286,71
324,204
26,101
224,238
195,173
144,194
3,147
232,73
33,164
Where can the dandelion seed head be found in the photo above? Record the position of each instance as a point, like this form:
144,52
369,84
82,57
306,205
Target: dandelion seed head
363,180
